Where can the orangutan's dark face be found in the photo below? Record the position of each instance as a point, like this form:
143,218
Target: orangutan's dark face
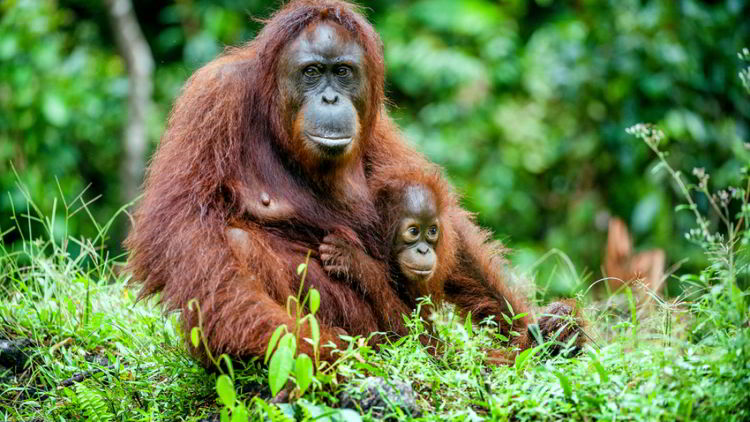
323,90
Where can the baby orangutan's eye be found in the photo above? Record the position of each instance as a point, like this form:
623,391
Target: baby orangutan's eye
411,234
433,231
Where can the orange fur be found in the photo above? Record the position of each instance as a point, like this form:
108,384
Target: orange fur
227,134
388,183
200,234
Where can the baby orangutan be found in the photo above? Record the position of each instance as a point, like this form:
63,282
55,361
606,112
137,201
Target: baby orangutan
411,242
419,245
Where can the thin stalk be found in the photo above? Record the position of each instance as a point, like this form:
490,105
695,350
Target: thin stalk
717,209
299,303
683,188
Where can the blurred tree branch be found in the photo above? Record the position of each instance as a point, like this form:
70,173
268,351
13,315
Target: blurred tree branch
140,66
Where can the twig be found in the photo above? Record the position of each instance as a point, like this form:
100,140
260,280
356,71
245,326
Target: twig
80,376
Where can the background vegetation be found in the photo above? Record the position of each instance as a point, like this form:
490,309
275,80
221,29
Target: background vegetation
523,102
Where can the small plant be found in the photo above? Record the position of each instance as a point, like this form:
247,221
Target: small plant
726,245
282,346
280,355
92,403
282,360
225,382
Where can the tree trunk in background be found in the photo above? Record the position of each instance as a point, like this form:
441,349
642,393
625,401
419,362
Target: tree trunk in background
140,65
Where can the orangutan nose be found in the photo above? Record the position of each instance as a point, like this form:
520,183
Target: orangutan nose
330,96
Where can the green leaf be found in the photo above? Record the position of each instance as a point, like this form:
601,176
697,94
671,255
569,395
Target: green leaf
346,415
192,303
314,301
603,376
564,383
519,316
303,370
289,301
510,308
289,342
507,319
225,388
224,415
522,357
228,361
300,268
272,341
239,413
195,336
467,324
281,363
314,330
287,409
315,412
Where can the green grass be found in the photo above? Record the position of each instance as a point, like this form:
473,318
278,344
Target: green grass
688,358
685,361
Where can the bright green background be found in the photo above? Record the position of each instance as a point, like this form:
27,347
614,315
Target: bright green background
523,102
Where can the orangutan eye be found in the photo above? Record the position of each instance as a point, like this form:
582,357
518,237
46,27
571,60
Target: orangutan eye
343,71
433,231
411,234
311,71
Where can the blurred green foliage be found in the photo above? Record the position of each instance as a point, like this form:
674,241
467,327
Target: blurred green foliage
523,102
61,108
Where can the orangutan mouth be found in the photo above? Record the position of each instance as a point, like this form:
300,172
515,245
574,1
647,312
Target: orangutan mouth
333,143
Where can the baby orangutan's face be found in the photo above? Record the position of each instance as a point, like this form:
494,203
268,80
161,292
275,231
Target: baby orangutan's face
418,234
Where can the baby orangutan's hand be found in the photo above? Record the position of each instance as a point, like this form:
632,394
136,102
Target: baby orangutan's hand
337,255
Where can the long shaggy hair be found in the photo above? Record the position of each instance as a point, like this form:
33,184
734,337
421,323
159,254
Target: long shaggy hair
226,134
389,184
227,125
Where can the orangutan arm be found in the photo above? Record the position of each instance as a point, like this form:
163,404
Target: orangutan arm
343,259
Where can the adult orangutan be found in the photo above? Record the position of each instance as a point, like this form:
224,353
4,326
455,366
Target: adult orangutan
267,151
